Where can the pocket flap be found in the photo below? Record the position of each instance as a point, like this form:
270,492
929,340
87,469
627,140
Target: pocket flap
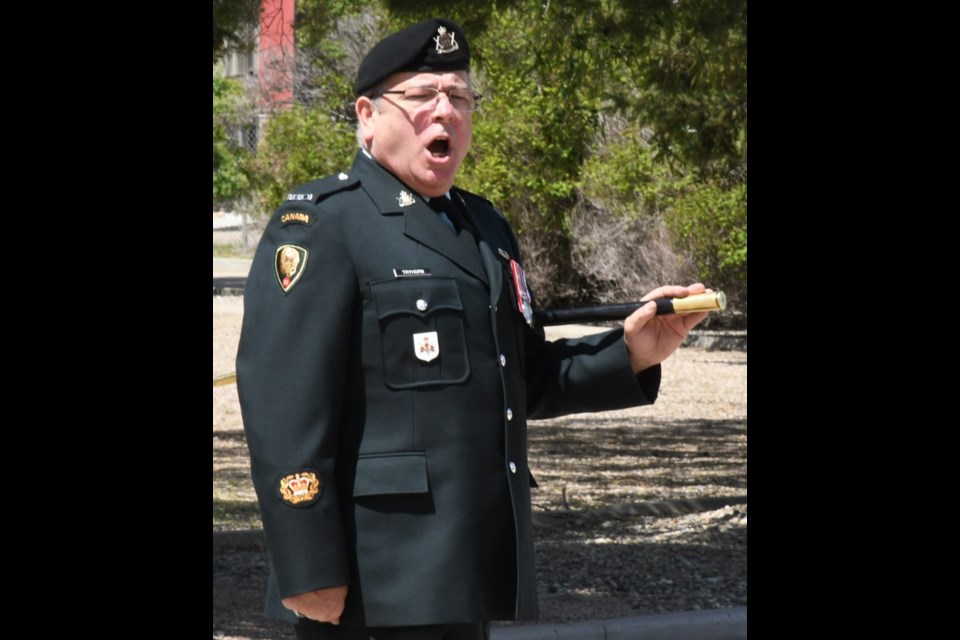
419,296
390,473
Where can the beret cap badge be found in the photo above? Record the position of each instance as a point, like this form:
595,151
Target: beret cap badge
446,41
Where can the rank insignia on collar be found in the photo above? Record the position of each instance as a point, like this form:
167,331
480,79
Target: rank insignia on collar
300,489
524,299
405,199
288,265
446,42
426,346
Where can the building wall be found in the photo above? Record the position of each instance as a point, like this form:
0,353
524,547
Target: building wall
276,52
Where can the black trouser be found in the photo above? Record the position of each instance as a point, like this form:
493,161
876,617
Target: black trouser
312,630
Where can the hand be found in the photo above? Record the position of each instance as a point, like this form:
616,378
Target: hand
322,605
651,338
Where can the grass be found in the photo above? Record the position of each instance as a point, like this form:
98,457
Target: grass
234,500
231,515
229,251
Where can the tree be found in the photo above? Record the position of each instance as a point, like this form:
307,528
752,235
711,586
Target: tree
231,109
683,64
234,22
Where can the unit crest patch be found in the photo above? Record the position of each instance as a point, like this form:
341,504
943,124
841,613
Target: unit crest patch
289,264
426,346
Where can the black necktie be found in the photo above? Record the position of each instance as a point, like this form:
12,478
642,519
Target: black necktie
443,204
465,233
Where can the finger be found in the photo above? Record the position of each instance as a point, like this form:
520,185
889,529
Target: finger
638,319
697,287
661,292
674,291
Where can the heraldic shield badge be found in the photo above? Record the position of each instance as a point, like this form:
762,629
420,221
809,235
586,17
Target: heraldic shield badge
426,346
289,264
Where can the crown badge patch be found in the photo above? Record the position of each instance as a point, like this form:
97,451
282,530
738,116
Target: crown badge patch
300,489
446,41
288,265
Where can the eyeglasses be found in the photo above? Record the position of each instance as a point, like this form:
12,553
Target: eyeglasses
418,97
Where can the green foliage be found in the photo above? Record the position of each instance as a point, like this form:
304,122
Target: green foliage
705,221
678,66
710,223
625,176
234,23
231,109
317,20
688,63
299,145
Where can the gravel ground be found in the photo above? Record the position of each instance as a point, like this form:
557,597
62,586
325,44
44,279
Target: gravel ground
639,511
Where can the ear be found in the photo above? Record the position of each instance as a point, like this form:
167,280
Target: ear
367,116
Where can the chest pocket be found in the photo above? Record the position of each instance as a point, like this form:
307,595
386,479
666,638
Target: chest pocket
421,331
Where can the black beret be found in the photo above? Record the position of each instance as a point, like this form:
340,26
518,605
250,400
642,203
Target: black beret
437,44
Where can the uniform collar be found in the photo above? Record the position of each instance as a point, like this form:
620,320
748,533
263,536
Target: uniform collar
387,191
421,223
384,193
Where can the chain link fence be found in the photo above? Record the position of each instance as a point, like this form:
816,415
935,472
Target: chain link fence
236,233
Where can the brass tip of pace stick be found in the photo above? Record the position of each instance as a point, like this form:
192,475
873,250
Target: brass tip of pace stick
709,301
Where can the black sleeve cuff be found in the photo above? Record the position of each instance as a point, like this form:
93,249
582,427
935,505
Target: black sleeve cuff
649,382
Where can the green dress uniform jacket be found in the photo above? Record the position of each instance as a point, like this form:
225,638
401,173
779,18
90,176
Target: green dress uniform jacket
385,385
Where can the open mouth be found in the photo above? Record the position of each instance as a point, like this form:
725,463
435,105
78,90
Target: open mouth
439,148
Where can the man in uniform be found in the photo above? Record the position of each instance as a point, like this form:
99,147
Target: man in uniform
388,364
